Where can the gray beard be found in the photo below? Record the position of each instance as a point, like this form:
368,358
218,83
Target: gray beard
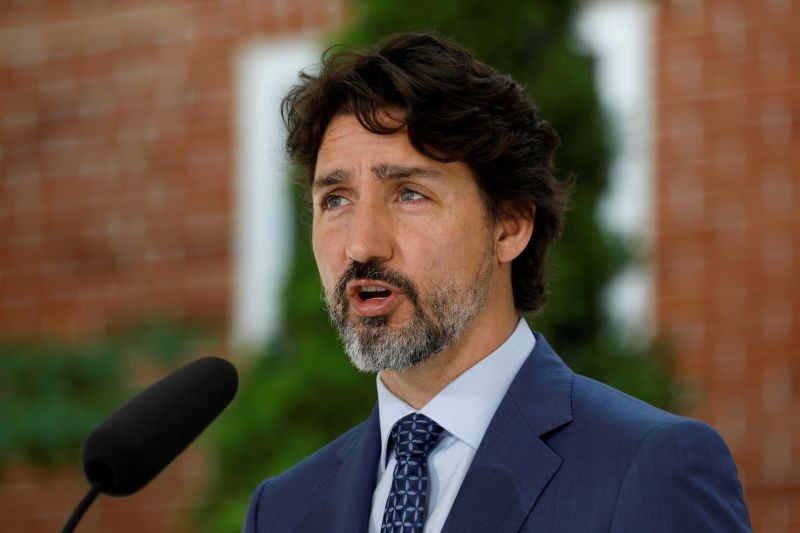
372,345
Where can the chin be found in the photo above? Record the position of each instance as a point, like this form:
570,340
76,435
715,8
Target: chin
374,321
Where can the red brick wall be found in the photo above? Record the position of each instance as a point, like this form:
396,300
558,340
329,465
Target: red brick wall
116,165
41,500
728,231
116,180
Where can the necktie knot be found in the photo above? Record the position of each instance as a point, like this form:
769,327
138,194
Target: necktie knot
415,435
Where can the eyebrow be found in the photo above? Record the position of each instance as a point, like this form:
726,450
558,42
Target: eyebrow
333,178
382,171
391,172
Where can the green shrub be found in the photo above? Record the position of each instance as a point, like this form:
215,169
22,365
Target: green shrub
54,393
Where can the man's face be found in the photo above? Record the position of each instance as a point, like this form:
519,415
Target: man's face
403,244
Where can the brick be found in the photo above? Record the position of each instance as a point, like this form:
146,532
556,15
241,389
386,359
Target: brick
739,63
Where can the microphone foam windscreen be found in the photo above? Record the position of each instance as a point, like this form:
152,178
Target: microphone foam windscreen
135,443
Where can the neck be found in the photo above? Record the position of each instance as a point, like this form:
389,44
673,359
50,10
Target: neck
418,385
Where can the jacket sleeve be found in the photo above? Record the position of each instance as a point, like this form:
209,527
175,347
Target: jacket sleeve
682,479
251,522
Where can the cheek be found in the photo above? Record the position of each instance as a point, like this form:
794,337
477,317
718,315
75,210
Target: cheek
328,259
461,236
465,247
320,256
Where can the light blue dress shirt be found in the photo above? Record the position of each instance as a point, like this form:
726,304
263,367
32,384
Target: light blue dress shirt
464,409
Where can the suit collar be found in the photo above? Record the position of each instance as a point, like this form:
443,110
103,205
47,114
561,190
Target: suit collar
543,389
355,480
513,465
510,469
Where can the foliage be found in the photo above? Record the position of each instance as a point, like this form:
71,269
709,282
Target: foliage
301,392
53,394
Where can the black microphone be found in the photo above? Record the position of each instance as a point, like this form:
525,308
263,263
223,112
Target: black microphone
134,444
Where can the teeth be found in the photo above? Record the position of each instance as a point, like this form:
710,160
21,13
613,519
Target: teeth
372,288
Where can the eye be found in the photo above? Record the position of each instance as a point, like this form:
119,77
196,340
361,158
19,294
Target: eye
407,195
332,201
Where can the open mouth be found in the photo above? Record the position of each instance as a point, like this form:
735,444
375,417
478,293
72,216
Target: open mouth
373,298
373,292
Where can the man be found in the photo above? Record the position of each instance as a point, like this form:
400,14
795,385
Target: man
434,203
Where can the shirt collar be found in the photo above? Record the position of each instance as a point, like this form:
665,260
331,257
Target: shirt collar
467,404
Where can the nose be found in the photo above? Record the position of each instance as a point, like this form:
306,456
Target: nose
369,237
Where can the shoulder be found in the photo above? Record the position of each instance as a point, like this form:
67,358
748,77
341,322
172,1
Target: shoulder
608,423
616,422
284,493
315,468
673,473
681,478
602,407
636,432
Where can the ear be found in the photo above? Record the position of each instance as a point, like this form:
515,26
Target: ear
512,234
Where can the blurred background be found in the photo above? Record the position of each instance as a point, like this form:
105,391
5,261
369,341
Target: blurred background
147,217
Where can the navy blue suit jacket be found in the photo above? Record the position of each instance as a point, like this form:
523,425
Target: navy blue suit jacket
563,453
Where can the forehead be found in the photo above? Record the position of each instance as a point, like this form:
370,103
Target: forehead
348,149
346,143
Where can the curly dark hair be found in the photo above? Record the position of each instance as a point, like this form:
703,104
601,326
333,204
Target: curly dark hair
454,108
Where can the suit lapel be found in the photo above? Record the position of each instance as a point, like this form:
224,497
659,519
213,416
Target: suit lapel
513,465
354,483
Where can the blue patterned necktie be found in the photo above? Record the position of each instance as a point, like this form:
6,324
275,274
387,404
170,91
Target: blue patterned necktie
414,436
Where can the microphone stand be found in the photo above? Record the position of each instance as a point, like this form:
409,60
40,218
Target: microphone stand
80,510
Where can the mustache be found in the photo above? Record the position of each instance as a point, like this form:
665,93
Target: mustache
375,271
